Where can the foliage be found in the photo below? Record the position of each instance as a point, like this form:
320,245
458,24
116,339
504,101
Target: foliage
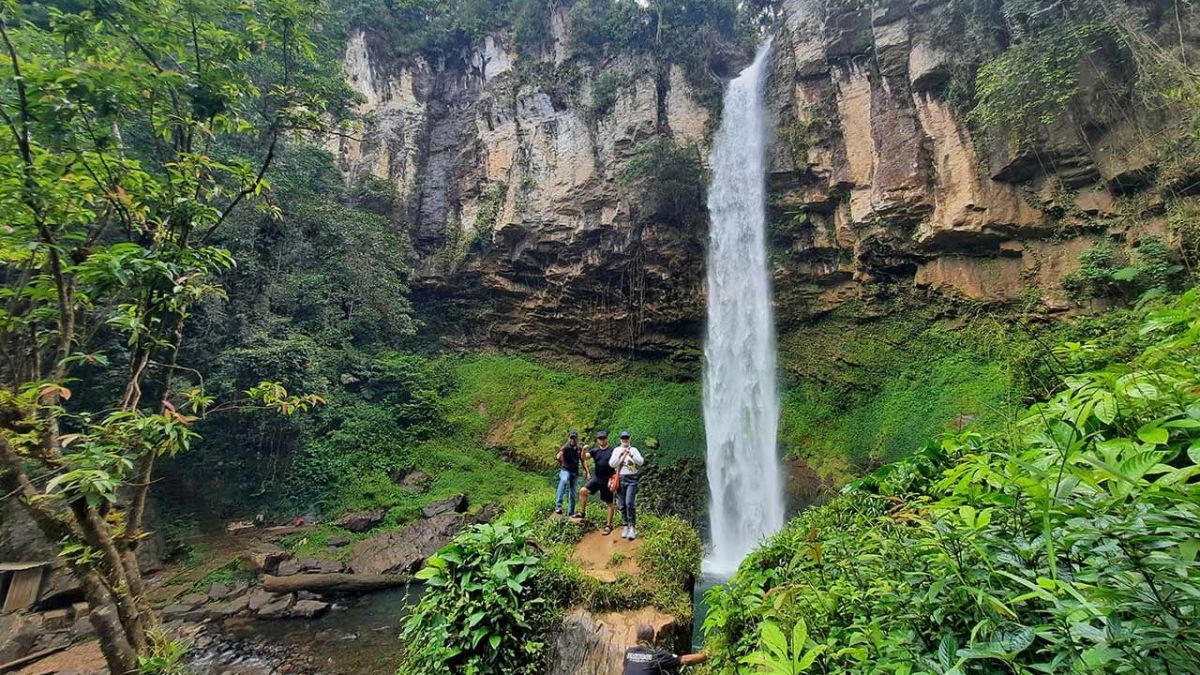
604,94
1150,272
859,392
1031,83
131,133
667,181
166,657
482,610
1183,218
1065,543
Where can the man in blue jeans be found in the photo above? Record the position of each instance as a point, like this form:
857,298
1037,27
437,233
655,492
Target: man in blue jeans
570,463
625,461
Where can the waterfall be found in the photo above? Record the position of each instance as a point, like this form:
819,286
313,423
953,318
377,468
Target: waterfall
741,403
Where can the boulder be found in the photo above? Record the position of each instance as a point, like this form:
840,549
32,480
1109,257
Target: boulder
82,628
56,619
59,586
405,551
278,607
233,607
595,642
193,599
308,609
455,504
363,520
414,481
337,542
265,558
258,599
18,633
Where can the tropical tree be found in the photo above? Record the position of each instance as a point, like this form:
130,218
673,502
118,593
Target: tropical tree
129,131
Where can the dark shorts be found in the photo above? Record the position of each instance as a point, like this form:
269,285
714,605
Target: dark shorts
599,486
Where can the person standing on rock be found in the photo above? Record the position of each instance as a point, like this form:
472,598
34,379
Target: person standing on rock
599,482
570,462
625,461
646,659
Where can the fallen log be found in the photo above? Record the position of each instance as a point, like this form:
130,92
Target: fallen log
336,582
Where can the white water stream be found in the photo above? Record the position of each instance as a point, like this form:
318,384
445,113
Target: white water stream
741,402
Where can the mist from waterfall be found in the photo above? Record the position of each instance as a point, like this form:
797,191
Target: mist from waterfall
741,401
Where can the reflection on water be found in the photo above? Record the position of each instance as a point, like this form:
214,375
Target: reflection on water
699,609
360,636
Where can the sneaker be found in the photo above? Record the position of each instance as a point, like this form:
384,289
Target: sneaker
558,510
625,532
632,534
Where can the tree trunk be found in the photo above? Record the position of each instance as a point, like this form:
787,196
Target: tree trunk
333,583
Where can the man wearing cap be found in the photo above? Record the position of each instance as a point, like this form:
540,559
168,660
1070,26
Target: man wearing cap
599,482
646,659
570,460
625,461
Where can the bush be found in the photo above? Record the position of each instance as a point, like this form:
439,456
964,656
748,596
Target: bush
604,94
667,181
482,611
1066,544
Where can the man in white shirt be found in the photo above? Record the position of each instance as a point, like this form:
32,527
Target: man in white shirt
626,459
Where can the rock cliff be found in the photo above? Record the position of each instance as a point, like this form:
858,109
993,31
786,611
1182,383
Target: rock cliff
508,169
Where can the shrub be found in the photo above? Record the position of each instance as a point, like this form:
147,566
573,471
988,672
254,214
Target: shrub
1066,544
604,94
667,181
482,611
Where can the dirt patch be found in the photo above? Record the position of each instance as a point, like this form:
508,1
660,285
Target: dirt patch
502,431
604,557
82,659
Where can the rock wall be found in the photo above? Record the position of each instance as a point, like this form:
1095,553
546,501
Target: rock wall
508,181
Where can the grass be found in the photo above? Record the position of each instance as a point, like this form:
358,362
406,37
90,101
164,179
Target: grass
857,390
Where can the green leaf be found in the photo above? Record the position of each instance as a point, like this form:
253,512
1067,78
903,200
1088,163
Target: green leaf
1154,433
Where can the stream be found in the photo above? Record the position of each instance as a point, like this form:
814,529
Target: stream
360,635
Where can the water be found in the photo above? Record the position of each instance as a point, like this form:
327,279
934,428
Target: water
741,403
361,636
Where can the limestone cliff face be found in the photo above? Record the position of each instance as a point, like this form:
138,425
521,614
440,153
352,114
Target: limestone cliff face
875,176
509,181
508,176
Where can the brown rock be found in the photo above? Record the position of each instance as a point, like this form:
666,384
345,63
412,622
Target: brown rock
258,598
595,642
363,520
278,607
308,609
18,633
455,504
265,558
405,551
415,481
337,542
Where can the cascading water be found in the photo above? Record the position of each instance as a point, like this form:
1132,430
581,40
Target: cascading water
741,403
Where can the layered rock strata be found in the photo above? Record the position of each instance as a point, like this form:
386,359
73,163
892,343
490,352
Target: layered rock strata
507,173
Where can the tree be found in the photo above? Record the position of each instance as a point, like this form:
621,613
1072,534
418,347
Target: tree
129,131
